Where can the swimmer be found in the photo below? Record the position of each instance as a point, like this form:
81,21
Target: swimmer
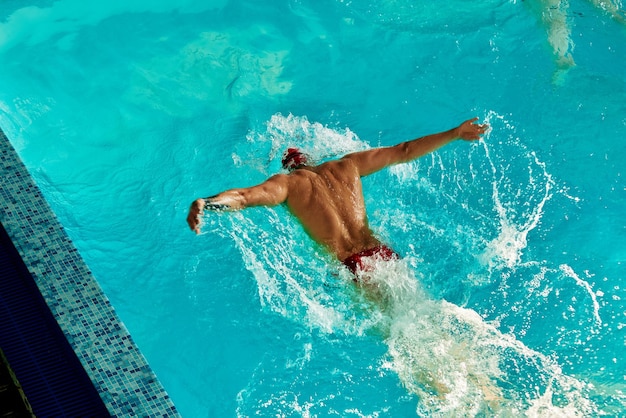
328,198
556,17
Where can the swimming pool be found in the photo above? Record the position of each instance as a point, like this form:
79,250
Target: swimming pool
514,249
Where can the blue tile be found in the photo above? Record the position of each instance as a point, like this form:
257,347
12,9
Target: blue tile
119,371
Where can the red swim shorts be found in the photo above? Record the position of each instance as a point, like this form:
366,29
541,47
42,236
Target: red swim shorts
358,262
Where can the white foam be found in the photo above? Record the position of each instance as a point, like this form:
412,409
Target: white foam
318,141
456,362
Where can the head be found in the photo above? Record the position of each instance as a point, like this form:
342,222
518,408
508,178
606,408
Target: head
293,158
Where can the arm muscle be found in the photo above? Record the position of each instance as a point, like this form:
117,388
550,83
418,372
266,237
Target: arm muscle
370,161
269,193
273,191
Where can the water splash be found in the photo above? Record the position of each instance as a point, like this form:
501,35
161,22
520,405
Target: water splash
569,272
459,364
449,356
468,210
515,224
318,141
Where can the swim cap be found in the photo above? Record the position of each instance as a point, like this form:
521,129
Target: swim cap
293,158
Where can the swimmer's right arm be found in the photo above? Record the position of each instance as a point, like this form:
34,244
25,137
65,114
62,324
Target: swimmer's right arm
197,209
269,193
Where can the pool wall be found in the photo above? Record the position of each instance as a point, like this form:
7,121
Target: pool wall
118,370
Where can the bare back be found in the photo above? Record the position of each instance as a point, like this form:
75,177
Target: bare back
328,201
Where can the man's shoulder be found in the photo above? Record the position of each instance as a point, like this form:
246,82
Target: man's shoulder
341,163
342,169
278,180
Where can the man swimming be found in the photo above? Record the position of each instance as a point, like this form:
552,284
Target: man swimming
328,198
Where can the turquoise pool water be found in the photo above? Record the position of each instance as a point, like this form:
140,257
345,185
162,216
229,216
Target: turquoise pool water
510,298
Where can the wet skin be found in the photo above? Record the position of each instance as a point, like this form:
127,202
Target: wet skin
327,199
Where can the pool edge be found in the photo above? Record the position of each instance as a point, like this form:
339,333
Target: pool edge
105,348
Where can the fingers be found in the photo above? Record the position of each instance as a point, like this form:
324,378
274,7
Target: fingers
194,217
471,130
194,223
479,129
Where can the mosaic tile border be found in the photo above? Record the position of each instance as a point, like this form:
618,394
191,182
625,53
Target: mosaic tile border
104,346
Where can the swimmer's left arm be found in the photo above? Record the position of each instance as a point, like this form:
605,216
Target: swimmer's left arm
269,193
372,160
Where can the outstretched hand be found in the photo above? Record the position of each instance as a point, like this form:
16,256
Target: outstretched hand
470,130
195,215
